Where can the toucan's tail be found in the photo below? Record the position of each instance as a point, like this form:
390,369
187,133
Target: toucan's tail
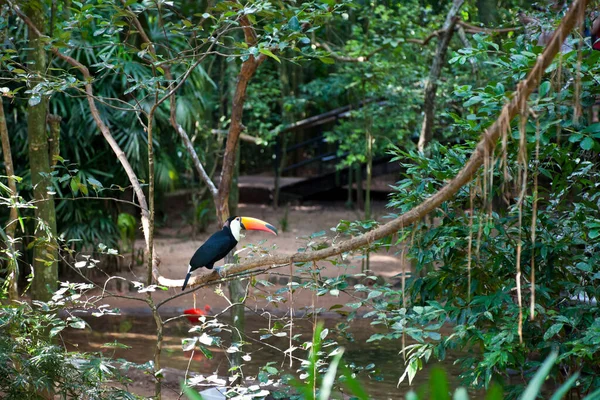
187,278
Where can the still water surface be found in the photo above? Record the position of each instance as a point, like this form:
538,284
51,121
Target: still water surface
138,332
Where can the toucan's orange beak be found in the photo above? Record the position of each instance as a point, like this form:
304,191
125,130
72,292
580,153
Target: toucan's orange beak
254,224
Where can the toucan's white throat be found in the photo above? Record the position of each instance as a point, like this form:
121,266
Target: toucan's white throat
236,229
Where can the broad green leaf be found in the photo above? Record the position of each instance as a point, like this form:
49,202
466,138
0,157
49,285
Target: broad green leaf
592,128
74,185
495,393
269,53
94,182
34,100
472,101
553,330
460,394
438,384
56,330
79,324
565,387
329,378
535,385
593,396
191,393
587,143
544,89
353,384
294,24
575,137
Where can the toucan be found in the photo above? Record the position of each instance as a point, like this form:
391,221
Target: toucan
222,242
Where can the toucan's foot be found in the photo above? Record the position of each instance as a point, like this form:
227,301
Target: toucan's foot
220,271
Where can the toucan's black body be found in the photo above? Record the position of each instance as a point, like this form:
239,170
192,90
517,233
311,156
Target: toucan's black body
222,242
215,248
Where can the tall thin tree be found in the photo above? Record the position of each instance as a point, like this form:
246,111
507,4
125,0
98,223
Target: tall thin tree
13,267
45,255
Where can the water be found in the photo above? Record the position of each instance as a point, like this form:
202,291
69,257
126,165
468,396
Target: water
138,332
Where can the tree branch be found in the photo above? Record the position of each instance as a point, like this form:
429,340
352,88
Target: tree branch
434,75
482,29
247,71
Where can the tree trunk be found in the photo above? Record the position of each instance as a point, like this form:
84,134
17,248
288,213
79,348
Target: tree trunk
235,128
369,174
350,188
237,288
45,254
434,75
13,266
360,198
286,118
54,139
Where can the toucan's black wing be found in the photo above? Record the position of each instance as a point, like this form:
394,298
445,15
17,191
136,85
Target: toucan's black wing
215,248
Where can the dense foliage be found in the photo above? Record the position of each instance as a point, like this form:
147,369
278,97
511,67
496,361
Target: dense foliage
506,272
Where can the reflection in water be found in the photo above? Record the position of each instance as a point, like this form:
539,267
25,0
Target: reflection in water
137,332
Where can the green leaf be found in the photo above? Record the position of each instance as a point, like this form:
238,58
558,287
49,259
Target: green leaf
576,137
495,393
532,390
206,352
553,330
593,396
460,394
269,53
79,324
544,89
191,393
94,182
329,378
34,100
438,384
355,387
327,60
472,101
592,128
74,185
585,267
294,24
56,330
374,294
587,143
565,387
115,345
